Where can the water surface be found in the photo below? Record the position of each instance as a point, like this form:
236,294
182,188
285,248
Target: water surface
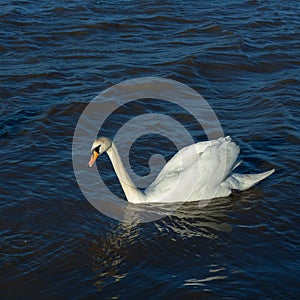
242,56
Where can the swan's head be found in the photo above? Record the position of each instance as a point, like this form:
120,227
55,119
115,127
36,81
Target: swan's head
99,146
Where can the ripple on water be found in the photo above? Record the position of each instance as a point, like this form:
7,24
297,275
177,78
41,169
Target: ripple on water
55,58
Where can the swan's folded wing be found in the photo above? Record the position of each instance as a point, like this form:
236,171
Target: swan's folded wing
173,172
218,162
214,166
197,174
187,156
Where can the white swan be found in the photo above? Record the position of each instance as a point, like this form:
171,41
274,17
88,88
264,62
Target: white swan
197,172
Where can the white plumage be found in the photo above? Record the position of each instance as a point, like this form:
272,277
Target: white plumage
200,171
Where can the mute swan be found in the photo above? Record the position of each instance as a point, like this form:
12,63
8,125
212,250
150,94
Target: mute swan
200,171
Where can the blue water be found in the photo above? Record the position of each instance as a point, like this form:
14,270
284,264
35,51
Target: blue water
242,56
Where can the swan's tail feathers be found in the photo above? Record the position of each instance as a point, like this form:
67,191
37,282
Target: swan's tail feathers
243,182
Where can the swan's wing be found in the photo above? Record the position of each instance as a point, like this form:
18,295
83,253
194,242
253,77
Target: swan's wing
180,161
220,159
197,173
187,156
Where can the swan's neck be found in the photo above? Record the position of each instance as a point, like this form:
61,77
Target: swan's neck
132,193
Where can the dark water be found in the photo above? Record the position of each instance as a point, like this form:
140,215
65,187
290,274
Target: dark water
242,56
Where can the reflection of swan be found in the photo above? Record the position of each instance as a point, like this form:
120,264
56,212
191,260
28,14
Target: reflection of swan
197,172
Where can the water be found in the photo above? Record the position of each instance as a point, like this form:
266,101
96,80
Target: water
242,56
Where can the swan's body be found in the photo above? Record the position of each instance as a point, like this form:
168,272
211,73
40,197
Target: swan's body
200,171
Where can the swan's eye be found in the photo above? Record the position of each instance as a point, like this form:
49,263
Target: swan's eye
97,149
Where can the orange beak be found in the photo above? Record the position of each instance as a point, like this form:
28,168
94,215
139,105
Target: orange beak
93,158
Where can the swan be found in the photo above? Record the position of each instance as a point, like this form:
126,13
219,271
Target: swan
201,171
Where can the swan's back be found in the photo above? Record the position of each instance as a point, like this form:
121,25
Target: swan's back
206,165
